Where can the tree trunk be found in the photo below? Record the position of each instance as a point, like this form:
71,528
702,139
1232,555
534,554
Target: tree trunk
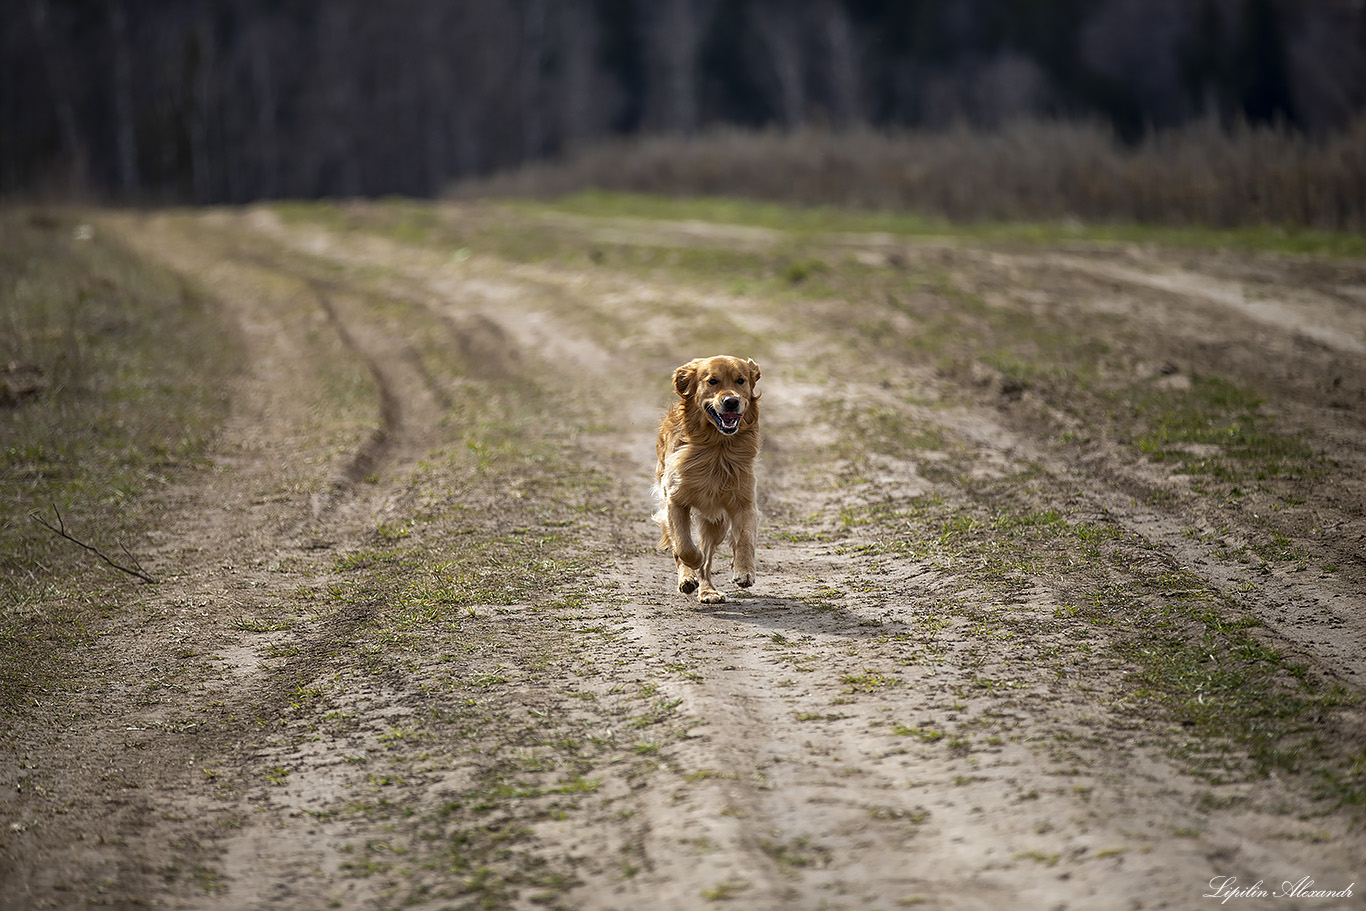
781,34
125,126
60,80
533,59
267,143
201,84
578,44
843,67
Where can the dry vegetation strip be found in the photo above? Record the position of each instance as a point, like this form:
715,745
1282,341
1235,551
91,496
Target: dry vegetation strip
1201,174
127,367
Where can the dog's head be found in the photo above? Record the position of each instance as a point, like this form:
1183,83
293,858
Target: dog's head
719,391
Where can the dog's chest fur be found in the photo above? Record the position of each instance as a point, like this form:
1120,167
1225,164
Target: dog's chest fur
714,477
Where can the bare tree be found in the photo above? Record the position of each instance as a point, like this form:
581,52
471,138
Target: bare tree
486,118
60,67
262,79
779,29
533,56
125,128
436,92
578,41
333,168
1136,43
675,36
201,51
842,64
1328,65
213,100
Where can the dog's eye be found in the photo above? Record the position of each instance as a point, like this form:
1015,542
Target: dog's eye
740,381
713,381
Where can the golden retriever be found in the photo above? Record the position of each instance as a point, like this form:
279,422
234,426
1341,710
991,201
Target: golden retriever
707,449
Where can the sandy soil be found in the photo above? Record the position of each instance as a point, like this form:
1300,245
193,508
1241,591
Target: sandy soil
871,726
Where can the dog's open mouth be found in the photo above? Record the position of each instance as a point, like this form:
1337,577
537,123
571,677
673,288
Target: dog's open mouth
726,421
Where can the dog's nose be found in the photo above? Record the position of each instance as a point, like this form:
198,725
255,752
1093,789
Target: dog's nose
730,403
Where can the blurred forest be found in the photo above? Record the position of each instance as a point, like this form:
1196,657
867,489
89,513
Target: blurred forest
209,101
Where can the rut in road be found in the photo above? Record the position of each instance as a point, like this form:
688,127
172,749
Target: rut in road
747,683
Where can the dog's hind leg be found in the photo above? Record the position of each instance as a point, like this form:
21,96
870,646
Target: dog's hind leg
713,533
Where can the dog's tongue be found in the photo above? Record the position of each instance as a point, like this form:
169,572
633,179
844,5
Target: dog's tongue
730,418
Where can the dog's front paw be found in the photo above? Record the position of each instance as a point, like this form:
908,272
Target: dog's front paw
744,580
687,578
711,596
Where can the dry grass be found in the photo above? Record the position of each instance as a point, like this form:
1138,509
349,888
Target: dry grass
111,381
1202,174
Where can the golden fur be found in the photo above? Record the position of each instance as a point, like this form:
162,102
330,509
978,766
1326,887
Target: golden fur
705,471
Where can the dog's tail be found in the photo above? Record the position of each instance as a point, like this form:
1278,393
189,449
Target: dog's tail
661,516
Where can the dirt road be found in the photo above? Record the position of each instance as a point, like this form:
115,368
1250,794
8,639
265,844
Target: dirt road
1059,598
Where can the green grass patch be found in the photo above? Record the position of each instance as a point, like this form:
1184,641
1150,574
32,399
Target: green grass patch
925,734
827,219
1197,659
1217,428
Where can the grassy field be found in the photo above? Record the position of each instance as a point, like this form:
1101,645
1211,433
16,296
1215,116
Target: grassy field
1028,526
1202,666
797,220
128,369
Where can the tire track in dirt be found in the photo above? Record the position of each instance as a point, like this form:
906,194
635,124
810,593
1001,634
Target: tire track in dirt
800,797
759,801
1316,614
222,550
273,863
393,432
132,750
840,749
1320,621
758,824
1320,618
402,384
1313,320
264,861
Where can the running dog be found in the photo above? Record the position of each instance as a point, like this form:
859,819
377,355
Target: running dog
707,450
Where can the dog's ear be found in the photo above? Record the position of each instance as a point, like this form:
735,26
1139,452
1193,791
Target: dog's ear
685,379
752,412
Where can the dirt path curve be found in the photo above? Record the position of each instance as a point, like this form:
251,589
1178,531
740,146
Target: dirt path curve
417,650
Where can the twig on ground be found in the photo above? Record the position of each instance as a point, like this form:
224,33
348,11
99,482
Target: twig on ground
60,530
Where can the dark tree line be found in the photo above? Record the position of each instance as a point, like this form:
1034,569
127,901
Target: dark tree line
233,100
